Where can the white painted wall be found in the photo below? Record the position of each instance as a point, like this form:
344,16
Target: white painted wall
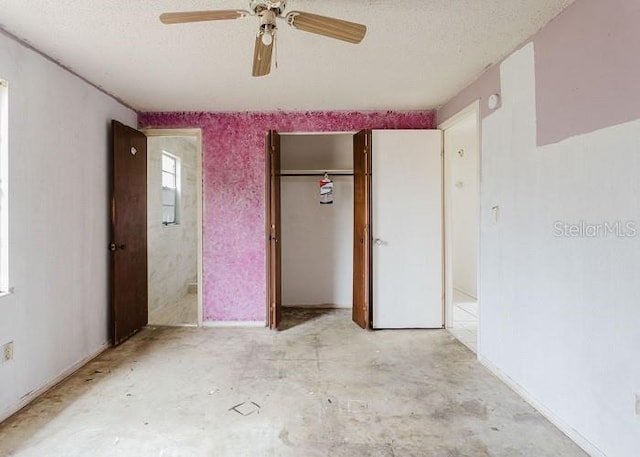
59,135
173,248
317,240
461,180
559,316
317,151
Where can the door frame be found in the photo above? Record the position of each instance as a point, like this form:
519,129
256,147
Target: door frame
273,255
362,312
268,208
194,132
472,109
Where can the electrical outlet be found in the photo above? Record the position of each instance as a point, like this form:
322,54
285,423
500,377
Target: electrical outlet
7,351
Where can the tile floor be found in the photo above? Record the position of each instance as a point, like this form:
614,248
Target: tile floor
321,387
465,319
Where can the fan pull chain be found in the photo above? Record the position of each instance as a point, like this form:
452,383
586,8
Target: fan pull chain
275,48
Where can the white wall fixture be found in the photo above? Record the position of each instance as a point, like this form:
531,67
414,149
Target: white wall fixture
494,101
495,214
7,351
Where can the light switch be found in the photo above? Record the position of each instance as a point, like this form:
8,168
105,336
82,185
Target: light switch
495,214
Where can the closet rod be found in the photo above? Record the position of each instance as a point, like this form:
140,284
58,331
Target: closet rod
316,172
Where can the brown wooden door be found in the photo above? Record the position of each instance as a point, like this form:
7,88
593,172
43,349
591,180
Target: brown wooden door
129,307
274,285
361,229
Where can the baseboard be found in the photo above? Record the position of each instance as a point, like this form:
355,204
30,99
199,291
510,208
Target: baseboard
25,400
565,428
218,324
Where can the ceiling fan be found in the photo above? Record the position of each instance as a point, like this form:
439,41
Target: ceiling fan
268,12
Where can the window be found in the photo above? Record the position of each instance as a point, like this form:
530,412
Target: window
4,182
170,188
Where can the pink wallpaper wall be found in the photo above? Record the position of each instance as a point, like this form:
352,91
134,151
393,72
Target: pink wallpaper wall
234,273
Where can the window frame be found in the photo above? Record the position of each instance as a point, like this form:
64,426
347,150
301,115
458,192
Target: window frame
176,189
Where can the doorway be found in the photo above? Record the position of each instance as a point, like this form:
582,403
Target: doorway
174,227
462,225
316,231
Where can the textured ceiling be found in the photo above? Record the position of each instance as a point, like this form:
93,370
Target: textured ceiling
416,55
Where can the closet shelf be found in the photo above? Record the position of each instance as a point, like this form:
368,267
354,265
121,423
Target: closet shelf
316,172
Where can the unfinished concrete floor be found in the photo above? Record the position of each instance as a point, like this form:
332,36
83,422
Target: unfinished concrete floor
321,387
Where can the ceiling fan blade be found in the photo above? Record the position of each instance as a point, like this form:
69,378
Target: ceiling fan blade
262,57
327,26
199,16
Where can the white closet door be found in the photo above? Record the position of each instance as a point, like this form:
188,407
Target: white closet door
406,205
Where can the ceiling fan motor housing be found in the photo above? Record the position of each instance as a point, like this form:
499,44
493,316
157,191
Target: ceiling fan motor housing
259,6
267,20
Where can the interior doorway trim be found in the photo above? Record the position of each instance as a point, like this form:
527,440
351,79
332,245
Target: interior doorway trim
196,132
472,109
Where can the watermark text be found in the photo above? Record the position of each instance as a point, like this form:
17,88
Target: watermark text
582,229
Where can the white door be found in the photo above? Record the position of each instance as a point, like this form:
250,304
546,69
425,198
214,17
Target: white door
406,212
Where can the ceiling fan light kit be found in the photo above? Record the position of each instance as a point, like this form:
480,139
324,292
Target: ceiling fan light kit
267,26
269,12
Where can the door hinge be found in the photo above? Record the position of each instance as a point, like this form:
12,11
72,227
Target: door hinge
272,140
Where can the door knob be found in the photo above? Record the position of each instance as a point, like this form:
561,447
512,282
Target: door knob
113,247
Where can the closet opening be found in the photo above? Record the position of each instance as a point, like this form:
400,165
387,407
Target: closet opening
316,223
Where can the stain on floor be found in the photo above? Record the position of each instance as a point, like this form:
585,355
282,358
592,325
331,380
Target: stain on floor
321,387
